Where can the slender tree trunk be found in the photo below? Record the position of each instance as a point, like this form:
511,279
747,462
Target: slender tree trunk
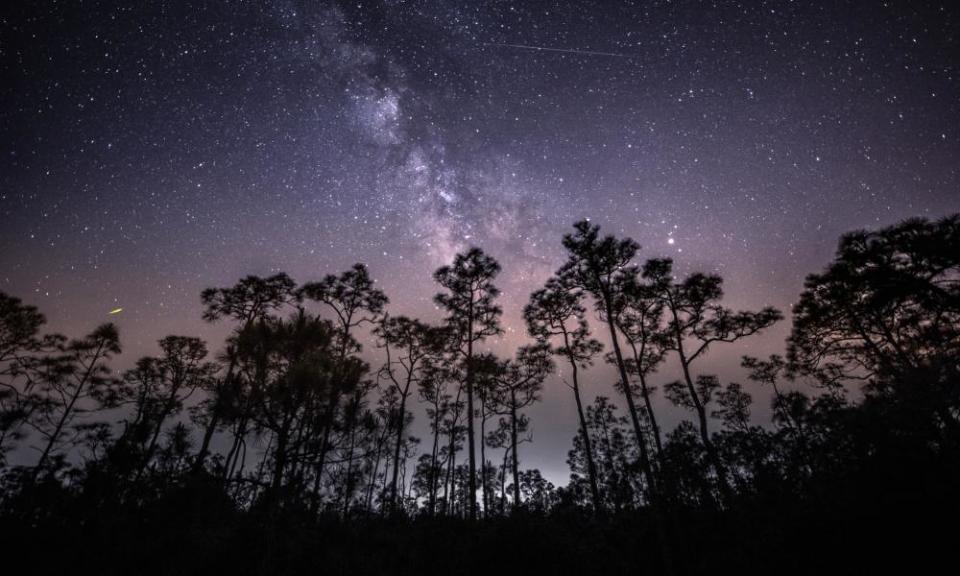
660,520
434,455
631,405
591,465
237,471
503,483
228,462
158,427
514,461
645,393
263,460
320,466
608,462
408,486
483,455
328,422
448,489
401,421
279,462
331,413
718,466
240,433
372,486
67,411
655,428
472,480
297,460
215,411
348,486
723,482
588,448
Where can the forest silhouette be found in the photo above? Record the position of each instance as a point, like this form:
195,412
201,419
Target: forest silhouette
284,451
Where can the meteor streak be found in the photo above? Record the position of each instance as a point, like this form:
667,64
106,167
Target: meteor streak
564,50
116,311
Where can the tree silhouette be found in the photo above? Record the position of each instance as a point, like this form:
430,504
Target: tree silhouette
355,300
733,407
249,300
417,346
74,382
639,318
21,364
157,389
549,314
433,390
616,454
318,467
538,492
472,316
786,404
696,321
382,417
455,433
518,385
600,267
486,370
887,311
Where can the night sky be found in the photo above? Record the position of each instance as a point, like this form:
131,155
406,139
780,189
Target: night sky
151,151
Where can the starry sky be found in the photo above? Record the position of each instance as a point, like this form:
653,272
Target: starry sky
150,150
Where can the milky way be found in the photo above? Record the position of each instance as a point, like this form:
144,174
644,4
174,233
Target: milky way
151,151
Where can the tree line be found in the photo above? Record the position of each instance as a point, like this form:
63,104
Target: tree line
289,421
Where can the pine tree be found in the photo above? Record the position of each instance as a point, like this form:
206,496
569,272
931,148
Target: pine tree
472,316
